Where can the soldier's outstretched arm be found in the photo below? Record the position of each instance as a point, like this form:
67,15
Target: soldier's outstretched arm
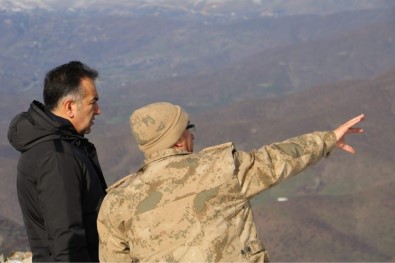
275,162
347,128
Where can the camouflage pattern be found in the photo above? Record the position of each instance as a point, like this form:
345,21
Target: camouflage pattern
158,126
183,206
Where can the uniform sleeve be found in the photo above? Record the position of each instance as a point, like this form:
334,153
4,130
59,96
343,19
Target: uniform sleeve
59,196
113,245
271,164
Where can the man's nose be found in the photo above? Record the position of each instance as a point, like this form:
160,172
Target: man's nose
98,110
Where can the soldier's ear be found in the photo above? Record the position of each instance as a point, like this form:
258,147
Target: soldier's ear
181,143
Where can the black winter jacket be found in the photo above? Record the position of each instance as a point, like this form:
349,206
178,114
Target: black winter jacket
60,186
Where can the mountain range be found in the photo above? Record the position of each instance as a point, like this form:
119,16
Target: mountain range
207,8
255,78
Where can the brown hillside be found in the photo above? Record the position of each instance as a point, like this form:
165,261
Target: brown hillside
321,108
354,227
358,54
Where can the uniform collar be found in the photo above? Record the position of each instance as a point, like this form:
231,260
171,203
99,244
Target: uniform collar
162,154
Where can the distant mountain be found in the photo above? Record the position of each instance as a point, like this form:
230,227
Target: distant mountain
272,72
234,9
129,48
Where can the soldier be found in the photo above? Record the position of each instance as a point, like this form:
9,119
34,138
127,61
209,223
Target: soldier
185,206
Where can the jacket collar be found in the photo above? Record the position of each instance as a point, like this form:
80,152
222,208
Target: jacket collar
162,154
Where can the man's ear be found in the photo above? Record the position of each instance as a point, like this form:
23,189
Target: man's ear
68,106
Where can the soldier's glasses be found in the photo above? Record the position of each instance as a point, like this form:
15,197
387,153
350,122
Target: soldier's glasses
191,127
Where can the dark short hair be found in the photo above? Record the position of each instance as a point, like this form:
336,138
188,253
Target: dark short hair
65,80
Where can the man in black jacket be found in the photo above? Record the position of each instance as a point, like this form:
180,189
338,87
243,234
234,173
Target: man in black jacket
59,180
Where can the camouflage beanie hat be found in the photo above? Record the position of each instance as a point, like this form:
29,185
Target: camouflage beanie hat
158,126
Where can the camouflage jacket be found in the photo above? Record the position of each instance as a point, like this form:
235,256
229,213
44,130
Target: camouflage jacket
185,206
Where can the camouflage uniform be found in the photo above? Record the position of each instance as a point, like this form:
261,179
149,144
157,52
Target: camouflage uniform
195,207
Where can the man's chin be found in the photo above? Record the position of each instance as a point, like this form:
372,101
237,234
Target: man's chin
87,131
